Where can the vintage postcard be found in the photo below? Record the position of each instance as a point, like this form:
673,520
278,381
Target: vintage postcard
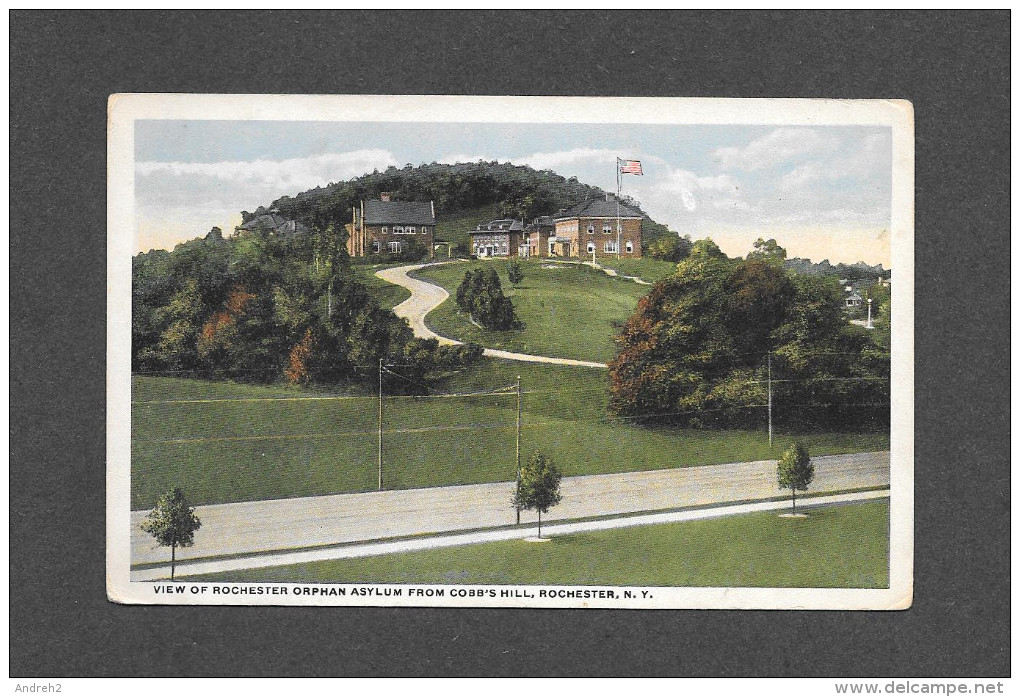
510,352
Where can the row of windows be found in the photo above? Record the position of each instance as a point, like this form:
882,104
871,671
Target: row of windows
392,247
607,229
611,248
404,230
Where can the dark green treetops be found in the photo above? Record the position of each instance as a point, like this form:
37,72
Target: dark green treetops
480,295
173,523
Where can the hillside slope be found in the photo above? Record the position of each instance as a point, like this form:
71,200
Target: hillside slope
460,192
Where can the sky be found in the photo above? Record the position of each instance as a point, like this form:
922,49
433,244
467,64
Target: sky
823,192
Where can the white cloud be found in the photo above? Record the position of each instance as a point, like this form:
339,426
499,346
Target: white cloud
293,174
779,146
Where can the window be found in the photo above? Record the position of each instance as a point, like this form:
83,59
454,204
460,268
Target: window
385,230
410,230
591,247
607,229
591,229
375,247
394,247
397,230
424,230
630,247
610,247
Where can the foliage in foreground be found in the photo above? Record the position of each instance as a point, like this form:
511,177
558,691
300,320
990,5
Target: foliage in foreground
702,344
259,307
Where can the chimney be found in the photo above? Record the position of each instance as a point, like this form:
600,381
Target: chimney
384,195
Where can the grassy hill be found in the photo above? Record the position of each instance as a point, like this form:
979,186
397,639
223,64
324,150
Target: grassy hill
569,311
455,227
464,194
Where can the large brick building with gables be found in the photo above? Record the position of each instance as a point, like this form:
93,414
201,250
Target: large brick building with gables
596,227
385,225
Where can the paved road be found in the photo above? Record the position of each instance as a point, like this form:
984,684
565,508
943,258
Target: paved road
261,526
415,545
426,297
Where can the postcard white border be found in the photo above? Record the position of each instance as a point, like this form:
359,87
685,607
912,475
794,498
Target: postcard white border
124,110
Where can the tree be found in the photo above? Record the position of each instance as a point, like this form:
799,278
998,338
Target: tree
173,523
795,470
480,295
674,249
515,272
538,487
767,250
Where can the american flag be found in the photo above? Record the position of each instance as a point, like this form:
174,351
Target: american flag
630,167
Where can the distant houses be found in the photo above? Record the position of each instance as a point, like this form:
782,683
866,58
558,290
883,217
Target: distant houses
274,224
387,226
598,227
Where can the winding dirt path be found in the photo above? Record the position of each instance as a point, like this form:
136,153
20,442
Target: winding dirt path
425,297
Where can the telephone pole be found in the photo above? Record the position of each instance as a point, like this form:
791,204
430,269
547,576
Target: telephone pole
380,423
518,448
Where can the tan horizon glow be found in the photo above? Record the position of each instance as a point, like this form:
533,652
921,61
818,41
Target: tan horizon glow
846,245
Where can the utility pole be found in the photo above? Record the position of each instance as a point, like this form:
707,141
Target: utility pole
619,185
770,400
518,448
380,424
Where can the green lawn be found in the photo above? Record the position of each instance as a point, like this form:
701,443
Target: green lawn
455,227
835,547
570,311
225,442
384,293
645,268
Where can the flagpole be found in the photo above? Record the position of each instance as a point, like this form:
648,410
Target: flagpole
618,187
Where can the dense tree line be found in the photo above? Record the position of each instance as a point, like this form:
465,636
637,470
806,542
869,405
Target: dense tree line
700,346
259,307
517,191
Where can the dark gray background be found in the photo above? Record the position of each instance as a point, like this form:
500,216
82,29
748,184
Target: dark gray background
954,67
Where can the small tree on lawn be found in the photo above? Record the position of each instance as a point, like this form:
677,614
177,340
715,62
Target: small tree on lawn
515,272
173,523
795,470
538,487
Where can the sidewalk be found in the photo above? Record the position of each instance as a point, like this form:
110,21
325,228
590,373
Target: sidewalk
417,545
254,527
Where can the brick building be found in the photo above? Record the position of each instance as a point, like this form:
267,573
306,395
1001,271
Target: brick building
592,227
388,226
537,235
573,232
498,238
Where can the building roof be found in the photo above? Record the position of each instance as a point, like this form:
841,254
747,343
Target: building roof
399,213
503,225
541,221
598,208
274,222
